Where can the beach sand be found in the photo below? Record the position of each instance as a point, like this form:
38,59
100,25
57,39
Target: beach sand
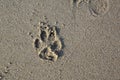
90,40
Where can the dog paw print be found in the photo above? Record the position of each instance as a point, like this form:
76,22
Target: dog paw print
96,7
48,42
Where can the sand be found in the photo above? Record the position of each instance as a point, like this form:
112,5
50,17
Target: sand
90,40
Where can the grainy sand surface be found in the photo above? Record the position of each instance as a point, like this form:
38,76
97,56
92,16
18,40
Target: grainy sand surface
92,43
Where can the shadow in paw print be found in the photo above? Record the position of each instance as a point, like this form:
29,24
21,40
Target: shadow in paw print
51,36
74,1
62,42
57,30
37,43
50,58
1,76
58,47
42,54
60,53
43,35
61,38
54,46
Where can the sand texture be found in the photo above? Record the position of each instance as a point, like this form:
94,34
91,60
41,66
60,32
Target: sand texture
59,39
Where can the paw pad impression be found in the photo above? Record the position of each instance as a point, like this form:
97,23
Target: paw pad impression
48,43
